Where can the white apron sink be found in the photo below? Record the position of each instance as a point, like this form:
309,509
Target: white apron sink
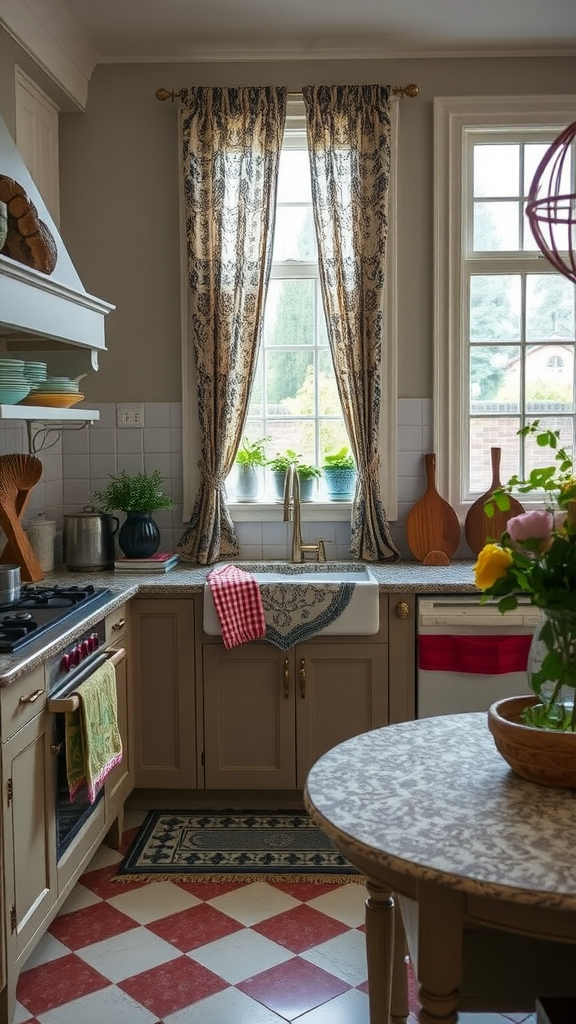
361,617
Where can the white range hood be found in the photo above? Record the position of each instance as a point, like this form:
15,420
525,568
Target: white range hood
51,307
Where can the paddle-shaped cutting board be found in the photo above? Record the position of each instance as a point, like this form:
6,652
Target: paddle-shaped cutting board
432,524
478,527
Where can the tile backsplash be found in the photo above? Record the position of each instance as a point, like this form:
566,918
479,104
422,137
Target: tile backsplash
79,459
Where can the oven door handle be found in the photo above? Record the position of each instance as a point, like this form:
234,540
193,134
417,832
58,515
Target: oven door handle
57,705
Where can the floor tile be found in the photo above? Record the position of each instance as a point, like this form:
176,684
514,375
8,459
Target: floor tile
110,1006
239,956
230,1006
79,898
92,924
293,988
351,1007
172,986
58,982
346,904
253,903
344,956
194,927
48,949
153,902
100,882
300,928
127,954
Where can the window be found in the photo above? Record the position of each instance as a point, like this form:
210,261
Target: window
505,323
294,398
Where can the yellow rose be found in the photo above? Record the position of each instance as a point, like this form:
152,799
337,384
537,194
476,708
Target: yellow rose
492,564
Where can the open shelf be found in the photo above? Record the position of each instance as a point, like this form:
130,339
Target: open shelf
44,413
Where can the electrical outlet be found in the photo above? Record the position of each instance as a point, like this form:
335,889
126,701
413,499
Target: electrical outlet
130,416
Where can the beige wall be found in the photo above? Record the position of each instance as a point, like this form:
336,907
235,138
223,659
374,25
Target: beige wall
119,198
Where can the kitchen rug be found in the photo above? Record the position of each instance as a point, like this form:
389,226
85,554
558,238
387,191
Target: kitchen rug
233,846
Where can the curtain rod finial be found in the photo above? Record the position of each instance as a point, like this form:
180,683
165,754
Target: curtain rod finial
166,94
410,90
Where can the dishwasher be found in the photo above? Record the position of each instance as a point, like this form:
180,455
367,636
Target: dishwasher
469,654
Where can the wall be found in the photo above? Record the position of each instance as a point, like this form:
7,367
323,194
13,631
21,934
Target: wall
119,220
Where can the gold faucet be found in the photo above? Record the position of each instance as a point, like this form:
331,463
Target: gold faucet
292,514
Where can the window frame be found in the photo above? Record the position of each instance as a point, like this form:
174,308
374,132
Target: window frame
317,511
454,118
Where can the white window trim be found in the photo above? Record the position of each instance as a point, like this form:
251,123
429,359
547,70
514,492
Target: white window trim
388,434
452,116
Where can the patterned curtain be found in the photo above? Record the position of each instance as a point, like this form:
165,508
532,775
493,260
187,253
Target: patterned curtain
349,141
231,148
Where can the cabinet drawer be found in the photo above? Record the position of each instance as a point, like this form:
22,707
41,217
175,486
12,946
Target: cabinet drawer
21,701
117,623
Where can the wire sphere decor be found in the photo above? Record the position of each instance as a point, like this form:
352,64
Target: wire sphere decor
551,206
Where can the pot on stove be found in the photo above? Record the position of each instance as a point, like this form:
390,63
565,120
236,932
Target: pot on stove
88,540
9,583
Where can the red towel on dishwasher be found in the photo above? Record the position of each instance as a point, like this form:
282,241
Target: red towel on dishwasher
238,605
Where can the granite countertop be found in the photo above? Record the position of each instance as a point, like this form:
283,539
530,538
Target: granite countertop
189,578
433,799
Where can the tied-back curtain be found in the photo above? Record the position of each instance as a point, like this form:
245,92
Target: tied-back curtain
349,142
231,142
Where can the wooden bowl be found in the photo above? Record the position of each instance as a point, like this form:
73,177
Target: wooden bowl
537,755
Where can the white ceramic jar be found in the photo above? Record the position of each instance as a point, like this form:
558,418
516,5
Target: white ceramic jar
41,533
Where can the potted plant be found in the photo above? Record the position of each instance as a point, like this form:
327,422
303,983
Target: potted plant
137,496
536,556
339,472
307,474
250,458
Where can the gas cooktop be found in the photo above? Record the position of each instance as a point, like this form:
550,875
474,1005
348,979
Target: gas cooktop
39,609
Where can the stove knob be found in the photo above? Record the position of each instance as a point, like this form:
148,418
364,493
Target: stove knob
85,648
76,656
65,663
95,641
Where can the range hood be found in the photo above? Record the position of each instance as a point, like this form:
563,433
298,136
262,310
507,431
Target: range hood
45,312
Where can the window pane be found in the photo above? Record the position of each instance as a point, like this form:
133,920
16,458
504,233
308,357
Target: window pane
549,379
290,313
496,170
329,402
495,307
487,433
535,456
549,307
290,383
294,177
496,227
495,372
294,237
533,156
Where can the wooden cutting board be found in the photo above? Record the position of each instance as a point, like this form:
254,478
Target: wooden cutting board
432,527
478,527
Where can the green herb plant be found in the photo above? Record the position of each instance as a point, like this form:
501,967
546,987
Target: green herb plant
139,493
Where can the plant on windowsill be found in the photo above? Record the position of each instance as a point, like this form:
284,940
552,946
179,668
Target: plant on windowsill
307,473
250,458
339,470
137,496
536,557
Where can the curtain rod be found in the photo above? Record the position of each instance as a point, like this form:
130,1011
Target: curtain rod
410,90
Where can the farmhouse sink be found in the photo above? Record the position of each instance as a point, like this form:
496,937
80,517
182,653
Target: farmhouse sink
360,617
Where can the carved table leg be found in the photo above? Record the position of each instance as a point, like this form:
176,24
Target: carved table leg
399,1006
379,950
440,923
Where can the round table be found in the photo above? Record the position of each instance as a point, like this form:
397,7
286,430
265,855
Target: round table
439,824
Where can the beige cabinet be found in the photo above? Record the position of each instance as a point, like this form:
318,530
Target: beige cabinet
269,714
164,707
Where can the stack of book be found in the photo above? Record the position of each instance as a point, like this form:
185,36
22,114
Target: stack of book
162,562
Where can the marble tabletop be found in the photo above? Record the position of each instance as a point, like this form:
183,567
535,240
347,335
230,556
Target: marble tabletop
434,799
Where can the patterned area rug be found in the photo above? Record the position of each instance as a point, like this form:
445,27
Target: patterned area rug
232,846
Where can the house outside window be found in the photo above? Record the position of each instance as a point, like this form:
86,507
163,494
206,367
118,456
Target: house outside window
505,319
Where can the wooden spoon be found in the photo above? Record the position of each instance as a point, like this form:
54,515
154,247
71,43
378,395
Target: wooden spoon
18,475
478,527
432,524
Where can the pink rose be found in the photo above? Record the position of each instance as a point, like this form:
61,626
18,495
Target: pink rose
531,526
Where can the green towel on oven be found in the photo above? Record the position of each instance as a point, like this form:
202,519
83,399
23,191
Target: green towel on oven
93,741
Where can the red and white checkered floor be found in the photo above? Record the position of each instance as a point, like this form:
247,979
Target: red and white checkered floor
185,953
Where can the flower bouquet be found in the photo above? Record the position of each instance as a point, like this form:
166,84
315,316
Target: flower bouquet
536,556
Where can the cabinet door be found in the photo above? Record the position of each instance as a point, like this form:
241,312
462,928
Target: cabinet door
164,696
28,772
341,691
119,782
248,717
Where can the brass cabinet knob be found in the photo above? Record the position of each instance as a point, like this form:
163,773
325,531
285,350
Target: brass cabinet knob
402,610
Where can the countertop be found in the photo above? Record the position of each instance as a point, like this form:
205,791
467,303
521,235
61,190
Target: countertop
188,578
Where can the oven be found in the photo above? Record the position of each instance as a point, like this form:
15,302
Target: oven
65,673
469,654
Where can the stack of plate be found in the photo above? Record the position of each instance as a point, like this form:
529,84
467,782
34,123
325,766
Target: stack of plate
13,385
58,392
35,373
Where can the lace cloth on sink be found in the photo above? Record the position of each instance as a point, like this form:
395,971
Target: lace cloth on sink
298,612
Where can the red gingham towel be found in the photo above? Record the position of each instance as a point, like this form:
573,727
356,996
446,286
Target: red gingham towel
238,604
